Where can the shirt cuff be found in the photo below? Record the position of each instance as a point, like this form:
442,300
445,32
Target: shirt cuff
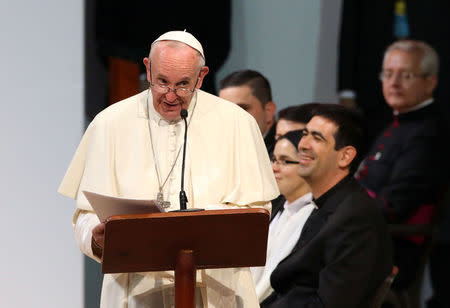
84,222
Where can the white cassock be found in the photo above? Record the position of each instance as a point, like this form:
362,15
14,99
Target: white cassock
227,166
284,232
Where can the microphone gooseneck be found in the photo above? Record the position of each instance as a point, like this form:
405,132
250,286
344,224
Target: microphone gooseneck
183,197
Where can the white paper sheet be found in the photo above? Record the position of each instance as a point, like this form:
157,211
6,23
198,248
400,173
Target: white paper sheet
107,206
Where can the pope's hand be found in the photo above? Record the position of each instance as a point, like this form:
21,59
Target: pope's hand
98,234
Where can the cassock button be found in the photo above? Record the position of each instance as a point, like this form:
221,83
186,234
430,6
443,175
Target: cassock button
396,123
364,171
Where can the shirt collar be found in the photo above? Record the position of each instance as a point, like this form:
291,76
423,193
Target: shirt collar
298,204
324,198
416,107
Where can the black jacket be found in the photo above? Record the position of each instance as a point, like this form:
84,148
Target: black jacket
404,167
343,254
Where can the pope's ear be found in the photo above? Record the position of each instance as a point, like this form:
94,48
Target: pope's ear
146,62
203,72
345,156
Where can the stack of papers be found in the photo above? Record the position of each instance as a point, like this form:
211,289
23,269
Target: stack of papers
107,206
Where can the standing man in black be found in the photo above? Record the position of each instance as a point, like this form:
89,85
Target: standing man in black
251,91
344,251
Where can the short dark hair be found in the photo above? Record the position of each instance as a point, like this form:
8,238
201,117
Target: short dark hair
298,113
292,136
259,84
350,129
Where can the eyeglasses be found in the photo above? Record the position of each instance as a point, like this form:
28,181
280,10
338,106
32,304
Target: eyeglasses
163,89
403,76
283,162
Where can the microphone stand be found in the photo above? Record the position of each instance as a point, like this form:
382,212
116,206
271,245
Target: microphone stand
183,197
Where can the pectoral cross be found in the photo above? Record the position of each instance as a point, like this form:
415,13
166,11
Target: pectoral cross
160,201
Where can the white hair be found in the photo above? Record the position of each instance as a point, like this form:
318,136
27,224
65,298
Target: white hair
429,57
176,44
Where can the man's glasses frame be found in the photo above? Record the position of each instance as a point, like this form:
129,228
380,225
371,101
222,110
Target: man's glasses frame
163,89
403,76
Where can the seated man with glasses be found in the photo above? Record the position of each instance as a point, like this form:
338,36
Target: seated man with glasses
402,169
286,226
133,149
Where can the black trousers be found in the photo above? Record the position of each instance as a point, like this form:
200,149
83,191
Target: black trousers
440,273
407,257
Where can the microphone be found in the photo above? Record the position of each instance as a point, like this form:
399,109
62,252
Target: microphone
183,197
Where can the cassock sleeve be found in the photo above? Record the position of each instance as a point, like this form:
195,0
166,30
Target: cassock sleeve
83,223
252,181
92,167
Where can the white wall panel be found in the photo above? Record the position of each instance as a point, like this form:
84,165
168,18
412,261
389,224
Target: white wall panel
41,122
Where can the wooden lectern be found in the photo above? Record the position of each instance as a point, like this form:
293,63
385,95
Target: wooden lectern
185,242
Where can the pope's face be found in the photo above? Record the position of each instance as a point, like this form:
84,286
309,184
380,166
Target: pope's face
173,68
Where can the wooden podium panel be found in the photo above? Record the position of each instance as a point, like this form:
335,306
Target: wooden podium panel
218,239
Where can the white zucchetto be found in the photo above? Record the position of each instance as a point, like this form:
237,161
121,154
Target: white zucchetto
184,37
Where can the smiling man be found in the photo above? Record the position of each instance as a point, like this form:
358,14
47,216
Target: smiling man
344,250
132,149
